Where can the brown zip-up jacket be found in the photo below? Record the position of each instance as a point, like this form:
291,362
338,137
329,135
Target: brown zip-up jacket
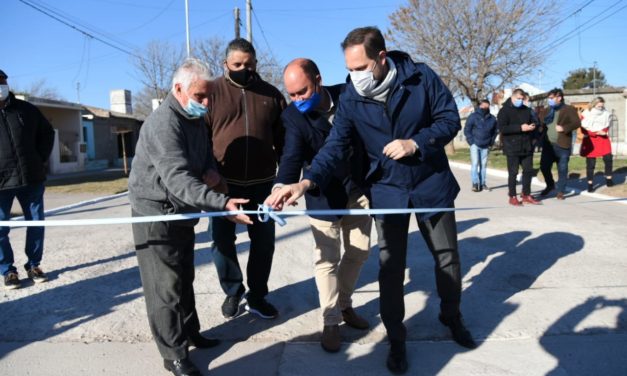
246,128
569,119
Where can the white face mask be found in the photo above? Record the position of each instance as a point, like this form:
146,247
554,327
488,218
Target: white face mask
4,92
364,80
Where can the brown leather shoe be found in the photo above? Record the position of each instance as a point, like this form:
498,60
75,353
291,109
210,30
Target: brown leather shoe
514,201
330,340
352,319
560,196
528,199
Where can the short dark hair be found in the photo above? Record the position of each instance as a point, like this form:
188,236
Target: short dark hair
308,66
519,91
369,36
242,45
484,101
556,92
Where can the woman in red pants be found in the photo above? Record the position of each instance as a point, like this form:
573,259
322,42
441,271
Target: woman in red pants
596,143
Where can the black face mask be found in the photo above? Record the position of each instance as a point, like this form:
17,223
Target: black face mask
240,77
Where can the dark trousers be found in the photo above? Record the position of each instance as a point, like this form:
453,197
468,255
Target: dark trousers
591,164
440,234
165,254
513,161
31,199
261,247
552,153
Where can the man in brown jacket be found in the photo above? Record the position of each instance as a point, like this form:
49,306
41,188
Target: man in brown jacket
559,124
245,121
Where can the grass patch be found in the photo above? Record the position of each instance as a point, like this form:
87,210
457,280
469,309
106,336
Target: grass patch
105,183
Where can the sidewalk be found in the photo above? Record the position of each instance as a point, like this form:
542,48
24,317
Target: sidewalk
545,291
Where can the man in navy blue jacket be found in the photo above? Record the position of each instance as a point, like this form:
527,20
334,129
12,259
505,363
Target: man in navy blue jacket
404,115
480,132
307,122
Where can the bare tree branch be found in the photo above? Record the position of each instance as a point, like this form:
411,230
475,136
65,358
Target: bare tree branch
476,46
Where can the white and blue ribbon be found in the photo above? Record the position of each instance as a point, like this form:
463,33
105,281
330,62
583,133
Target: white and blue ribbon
264,213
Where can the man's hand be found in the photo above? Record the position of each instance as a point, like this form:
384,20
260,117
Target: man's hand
287,195
527,127
232,205
398,149
559,128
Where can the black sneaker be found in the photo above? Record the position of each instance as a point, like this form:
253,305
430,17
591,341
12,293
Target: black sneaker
230,307
181,367
609,182
590,187
37,275
262,309
475,188
397,358
460,334
11,281
486,188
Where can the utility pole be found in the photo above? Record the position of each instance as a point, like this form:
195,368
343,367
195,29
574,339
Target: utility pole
594,79
237,22
187,27
249,20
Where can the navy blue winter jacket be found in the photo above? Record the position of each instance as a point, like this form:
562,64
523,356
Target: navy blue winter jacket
419,107
304,137
480,129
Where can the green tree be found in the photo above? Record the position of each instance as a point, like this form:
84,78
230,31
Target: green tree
584,78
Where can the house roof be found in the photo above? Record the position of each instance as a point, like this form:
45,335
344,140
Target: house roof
602,90
104,113
50,103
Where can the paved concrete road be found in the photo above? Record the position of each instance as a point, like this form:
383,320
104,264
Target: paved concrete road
545,292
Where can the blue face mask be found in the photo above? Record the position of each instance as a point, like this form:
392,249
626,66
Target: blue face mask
308,104
552,102
517,102
195,109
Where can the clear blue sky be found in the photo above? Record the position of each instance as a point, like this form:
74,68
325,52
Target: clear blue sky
35,46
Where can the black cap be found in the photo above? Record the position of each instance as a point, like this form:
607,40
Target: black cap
2,74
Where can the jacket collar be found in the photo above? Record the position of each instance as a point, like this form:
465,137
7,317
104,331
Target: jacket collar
9,101
174,104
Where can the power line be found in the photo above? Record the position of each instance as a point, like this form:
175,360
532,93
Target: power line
263,34
83,24
151,20
319,9
80,30
573,33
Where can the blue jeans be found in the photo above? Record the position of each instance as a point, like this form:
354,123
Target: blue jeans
261,248
478,155
31,199
552,153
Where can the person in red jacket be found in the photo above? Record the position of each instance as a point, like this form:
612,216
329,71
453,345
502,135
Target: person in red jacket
596,142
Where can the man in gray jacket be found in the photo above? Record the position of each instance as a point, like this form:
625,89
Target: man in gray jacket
172,161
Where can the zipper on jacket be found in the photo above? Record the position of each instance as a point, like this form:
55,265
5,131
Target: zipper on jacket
247,127
13,146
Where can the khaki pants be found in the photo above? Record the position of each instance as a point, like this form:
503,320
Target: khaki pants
337,274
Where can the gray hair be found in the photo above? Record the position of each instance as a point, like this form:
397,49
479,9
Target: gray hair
190,71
